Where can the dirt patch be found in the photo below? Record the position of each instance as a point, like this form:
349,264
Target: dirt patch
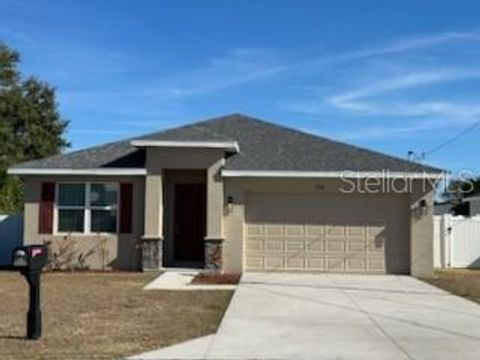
207,278
461,282
103,316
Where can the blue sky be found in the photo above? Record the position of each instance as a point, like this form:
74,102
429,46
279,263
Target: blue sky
391,76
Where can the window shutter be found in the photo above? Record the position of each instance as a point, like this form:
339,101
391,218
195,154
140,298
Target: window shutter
126,203
45,218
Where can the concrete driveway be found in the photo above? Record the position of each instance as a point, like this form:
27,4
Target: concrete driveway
321,316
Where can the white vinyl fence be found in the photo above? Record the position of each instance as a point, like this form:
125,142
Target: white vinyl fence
11,236
457,241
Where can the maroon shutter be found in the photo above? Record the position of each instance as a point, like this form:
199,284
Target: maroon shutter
45,218
126,202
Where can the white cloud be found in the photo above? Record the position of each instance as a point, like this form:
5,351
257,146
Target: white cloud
409,44
444,108
454,110
356,100
246,65
405,81
390,131
414,43
238,67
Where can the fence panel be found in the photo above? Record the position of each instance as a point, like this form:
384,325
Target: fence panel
456,241
11,235
437,242
465,242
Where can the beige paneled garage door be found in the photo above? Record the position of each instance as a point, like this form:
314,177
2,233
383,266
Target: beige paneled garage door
333,233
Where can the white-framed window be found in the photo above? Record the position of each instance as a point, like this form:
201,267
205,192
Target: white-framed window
86,208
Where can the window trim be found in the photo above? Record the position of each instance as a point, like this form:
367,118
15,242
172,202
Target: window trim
87,210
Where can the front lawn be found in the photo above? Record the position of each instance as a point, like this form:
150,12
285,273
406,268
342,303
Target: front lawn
460,282
103,316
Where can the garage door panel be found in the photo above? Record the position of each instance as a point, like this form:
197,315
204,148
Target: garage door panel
294,230
294,246
336,264
295,263
333,234
356,265
356,246
335,246
255,246
315,246
315,263
335,231
255,263
254,230
274,245
274,230
317,231
355,232
274,262
376,245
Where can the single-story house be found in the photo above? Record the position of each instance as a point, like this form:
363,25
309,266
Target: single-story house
443,208
236,194
473,204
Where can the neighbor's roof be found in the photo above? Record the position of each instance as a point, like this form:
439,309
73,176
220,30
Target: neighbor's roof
443,208
474,197
263,146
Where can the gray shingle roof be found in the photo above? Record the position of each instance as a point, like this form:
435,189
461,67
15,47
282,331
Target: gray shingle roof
263,146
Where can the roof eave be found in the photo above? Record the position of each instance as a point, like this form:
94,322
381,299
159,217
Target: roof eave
332,174
471,198
225,145
68,171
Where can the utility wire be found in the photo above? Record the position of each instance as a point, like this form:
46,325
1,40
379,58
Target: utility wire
452,139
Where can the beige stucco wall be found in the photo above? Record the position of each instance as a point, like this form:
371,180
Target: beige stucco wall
181,158
215,200
224,221
122,252
154,194
163,161
420,230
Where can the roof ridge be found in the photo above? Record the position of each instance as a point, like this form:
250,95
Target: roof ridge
267,145
325,138
208,131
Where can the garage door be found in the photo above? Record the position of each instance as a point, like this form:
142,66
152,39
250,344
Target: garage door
328,233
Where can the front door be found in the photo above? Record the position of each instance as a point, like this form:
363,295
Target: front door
189,222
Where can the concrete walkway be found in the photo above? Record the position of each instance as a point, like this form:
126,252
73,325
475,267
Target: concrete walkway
179,279
290,316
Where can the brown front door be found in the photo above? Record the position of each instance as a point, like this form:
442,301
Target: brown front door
190,222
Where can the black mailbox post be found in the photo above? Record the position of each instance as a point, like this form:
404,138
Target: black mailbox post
30,260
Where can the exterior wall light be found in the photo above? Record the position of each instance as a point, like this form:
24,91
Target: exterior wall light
229,204
423,207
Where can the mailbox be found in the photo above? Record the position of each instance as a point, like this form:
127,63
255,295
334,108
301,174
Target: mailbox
30,260
31,257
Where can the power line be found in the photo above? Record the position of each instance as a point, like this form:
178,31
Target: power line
452,139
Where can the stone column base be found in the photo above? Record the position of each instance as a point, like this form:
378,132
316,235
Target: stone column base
214,254
152,253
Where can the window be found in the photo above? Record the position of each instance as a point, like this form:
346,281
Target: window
87,207
71,207
103,207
